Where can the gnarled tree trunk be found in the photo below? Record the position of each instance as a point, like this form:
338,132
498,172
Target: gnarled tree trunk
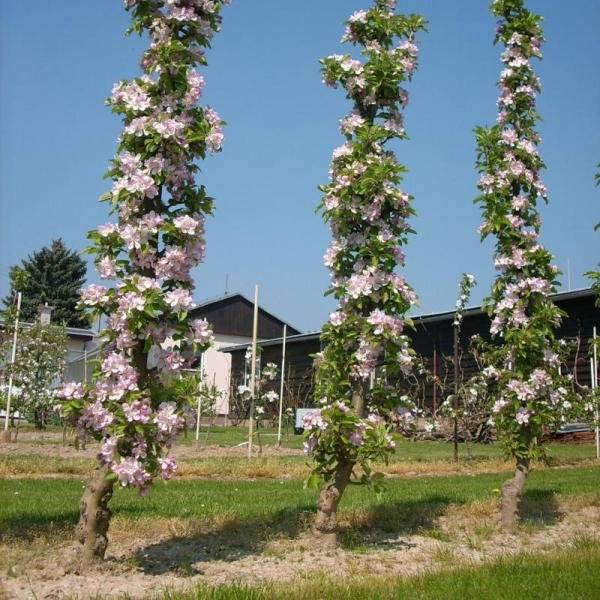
94,517
325,525
512,490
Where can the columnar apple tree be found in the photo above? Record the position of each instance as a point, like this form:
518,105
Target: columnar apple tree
39,366
148,251
368,216
531,394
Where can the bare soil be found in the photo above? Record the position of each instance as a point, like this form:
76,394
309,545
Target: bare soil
146,559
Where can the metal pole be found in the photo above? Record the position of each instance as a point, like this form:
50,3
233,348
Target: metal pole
199,410
594,386
434,382
281,386
253,372
455,394
6,435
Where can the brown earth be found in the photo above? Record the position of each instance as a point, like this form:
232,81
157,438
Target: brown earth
146,558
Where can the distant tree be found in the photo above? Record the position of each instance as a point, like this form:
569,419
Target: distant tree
54,275
39,367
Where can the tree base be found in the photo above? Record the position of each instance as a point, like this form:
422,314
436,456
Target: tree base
6,436
512,490
94,518
325,525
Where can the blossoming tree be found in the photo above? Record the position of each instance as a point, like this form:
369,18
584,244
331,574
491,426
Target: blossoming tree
149,251
530,391
368,216
39,366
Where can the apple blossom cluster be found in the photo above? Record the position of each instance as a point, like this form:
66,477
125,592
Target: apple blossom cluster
356,439
467,283
262,396
531,393
150,249
369,220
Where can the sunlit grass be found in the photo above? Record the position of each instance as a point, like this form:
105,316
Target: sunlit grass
29,507
411,458
571,574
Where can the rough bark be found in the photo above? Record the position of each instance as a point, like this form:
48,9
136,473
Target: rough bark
94,518
325,525
512,490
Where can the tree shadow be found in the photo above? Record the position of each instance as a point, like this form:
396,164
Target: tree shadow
232,541
539,507
382,525
379,526
28,527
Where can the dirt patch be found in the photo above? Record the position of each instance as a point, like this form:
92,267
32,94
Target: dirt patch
138,567
52,444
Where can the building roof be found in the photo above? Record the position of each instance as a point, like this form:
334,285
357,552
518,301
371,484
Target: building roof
72,332
418,320
233,314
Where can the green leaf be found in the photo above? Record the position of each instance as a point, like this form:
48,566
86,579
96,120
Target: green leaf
313,482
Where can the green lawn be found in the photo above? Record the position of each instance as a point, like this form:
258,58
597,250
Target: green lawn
32,506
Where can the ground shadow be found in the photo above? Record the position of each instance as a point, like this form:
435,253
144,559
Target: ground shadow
30,526
539,507
379,527
230,542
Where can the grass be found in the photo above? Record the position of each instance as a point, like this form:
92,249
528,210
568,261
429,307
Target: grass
410,458
247,513
571,574
31,507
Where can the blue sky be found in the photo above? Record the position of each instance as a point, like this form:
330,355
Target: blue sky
59,60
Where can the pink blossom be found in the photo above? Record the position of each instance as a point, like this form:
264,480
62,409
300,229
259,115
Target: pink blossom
138,411
201,331
94,295
130,471
108,450
96,416
168,466
72,390
187,224
180,300
314,420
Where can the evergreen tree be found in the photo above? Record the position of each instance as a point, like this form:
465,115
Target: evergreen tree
53,275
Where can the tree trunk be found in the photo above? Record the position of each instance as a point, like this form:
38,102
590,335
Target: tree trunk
325,525
469,442
94,517
40,421
512,489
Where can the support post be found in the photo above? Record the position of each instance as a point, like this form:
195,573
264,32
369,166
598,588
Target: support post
281,386
594,386
455,394
253,372
6,434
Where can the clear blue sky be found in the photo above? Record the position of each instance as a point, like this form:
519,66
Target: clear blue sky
59,60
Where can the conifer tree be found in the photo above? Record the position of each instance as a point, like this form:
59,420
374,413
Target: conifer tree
53,275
